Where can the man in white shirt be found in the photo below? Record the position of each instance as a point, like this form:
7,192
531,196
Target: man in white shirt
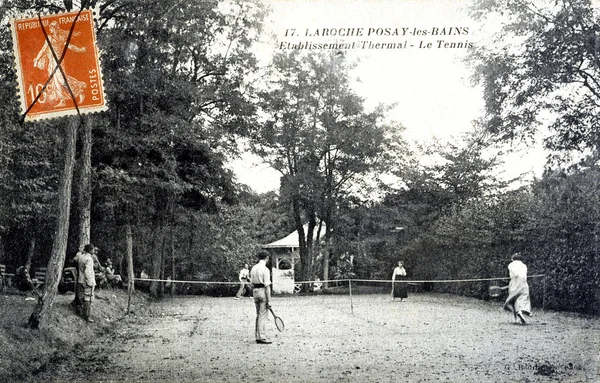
86,280
518,301
260,277
244,278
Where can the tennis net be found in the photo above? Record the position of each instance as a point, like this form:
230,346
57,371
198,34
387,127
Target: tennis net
479,288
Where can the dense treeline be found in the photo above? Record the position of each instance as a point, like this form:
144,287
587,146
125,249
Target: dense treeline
183,90
553,222
179,98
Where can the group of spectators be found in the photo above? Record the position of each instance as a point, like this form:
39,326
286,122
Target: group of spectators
105,275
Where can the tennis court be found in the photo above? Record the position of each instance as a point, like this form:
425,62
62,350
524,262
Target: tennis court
427,338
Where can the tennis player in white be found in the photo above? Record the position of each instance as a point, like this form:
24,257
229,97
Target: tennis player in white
518,301
260,278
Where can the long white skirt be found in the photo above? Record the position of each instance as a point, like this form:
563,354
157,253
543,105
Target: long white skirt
518,296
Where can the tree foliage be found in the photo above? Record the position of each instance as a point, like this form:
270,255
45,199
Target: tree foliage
177,76
540,71
563,236
540,78
178,98
29,162
319,136
461,176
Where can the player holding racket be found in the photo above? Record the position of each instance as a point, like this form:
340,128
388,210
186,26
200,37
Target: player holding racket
260,278
518,290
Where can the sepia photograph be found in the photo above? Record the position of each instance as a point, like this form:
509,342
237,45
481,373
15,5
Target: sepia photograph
315,191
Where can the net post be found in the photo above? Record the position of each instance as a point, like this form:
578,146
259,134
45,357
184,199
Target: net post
351,303
129,293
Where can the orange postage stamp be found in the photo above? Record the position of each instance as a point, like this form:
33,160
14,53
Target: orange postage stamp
50,90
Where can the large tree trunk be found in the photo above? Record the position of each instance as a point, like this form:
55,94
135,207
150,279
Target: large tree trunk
326,257
130,274
84,192
85,185
302,248
328,246
59,247
326,215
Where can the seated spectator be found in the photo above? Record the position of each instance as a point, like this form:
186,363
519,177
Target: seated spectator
22,280
111,277
99,271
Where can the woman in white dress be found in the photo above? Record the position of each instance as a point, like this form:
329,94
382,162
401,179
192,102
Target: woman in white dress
518,301
399,289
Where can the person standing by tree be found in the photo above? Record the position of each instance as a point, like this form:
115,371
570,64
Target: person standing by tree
399,289
518,301
86,281
244,278
260,277
77,302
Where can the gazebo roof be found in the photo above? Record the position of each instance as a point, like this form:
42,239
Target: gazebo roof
291,240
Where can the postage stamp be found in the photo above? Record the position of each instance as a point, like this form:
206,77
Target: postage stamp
47,89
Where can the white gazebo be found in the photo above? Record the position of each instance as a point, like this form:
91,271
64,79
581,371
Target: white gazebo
284,253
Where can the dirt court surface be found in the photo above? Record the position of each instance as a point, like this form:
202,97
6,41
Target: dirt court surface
426,338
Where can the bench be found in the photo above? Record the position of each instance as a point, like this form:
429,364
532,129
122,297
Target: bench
68,280
39,277
2,272
5,278
69,275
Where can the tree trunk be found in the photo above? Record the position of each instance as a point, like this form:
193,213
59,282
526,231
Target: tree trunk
130,274
310,244
161,285
157,255
172,260
190,248
327,253
83,207
59,247
85,185
302,248
143,236
30,253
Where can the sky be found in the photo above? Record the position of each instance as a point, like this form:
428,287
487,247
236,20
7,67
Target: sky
424,74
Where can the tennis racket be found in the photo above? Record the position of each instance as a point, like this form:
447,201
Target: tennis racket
496,291
278,321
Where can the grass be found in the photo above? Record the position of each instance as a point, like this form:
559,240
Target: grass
25,352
